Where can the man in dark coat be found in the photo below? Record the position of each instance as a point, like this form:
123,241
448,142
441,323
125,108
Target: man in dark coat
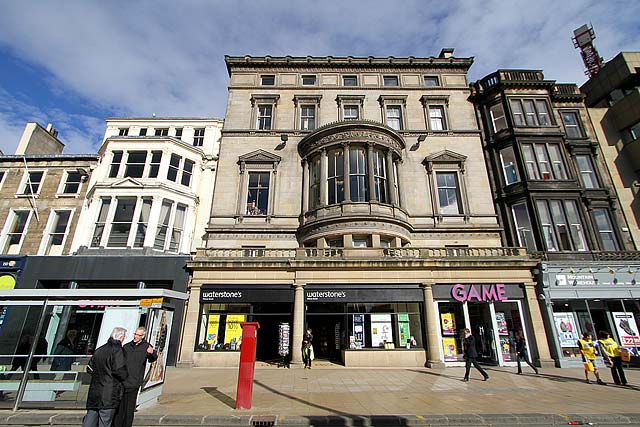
108,372
137,353
470,356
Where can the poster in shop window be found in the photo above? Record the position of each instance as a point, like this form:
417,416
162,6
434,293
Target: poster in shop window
627,329
212,330
233,330
584,320
505,348
403,328
501,321
566,328
448,324
358,332
158,338
380,329
450,349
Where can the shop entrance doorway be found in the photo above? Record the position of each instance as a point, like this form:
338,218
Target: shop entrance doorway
328,336
481,322
268,339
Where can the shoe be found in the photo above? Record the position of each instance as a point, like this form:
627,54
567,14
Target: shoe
519,372
588,381
599,381
625,384
485,378
536,371
466,380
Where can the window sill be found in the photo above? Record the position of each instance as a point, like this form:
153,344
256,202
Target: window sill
26,196
67,195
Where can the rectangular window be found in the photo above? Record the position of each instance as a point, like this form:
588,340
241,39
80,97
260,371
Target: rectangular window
265,113
335,176
394,117
523,227
198,137
72,183
530,112
101,223
542,113
308,80
135,164
605,229
314,183
436,117
509,168
561,225
544,161
498,118
258,193
178,228
587,171
154,166
351,112
516,111
380,176
143,222
448,193
33,182
557,164
358,185
123,132
116,160
179,133
268,80
360,242
174,167
143,131
17,231
122,221
187,172
3,174
431,81
163,225
57,232
162,131
349,81
307,117
571,124
390,80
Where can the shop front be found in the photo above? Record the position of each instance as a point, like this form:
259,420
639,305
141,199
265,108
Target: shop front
224,307
589,299
367,325
493,312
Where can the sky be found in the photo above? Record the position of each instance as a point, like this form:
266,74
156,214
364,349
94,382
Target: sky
75,63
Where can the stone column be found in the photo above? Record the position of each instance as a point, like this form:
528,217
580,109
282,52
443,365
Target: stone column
190,328
391,180
431,322
324,197
297,331
537,327
372,181
345,172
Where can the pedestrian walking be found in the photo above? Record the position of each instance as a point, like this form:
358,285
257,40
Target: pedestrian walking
136,354
521,353
66,347
611,353
471,355
108,372
588,350
307,349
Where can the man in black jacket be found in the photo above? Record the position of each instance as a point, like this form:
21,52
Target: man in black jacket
108,372
470,356
137,353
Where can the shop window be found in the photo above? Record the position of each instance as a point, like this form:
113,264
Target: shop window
561,225
509,166
522,223
544,161
452,324
56,234
387,326
587,171
604,227
16,229
32,183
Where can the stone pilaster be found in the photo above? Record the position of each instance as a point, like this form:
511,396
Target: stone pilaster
298,326
537,327
190,328
431,324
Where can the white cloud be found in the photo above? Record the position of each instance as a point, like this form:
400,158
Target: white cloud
166,58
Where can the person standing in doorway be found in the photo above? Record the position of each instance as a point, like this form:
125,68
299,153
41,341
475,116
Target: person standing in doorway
108,371
136,353
307,348
521,352
611,353
588,350
471,356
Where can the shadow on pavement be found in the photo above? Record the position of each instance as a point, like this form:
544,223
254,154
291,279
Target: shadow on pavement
217,394
279,393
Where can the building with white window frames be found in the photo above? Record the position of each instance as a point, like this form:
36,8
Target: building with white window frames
352,197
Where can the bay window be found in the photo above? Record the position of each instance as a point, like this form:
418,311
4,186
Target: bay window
544,161
587,171
335,176
561,225
604,226
530,112
522,223
358,174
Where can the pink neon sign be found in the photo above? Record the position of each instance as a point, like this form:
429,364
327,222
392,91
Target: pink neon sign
483,294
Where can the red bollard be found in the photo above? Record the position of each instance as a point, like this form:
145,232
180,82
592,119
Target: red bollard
247,364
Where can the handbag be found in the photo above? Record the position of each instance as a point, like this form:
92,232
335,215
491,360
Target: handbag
625,355
311,355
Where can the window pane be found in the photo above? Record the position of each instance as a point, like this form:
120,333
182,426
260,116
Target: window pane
162,131
547,226
198,137
561,226
258,195
314,183
543,161
436,117
498,118
605,230
587,173
518,114
135,164
530,162
174,166
154,167
264,116
18,228
380,176
100,223
268,80
431,81
307,117
58,232
523,227
351,112
121,225
308,80
115,164
543,113
575,224
394,117
530,112
335,176
32,184
559,170
349,81
141,231
571,124
178,226
390,80
358,185
508,159
72,184
187,171
163,225
448,197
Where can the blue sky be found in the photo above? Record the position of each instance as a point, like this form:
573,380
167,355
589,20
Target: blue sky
77,62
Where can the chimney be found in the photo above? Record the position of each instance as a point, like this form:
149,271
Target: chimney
53,132
446,52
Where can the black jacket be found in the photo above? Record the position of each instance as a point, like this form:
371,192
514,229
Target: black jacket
470,351
136,357
108,371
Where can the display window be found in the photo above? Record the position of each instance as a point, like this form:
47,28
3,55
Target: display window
452,325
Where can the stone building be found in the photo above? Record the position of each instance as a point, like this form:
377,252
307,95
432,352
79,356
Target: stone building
352,197
555,197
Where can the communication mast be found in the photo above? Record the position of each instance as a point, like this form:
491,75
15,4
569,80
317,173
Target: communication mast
583,40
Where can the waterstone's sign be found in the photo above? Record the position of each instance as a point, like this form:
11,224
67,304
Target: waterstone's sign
410,293
214,295
220,295
325,295
480,293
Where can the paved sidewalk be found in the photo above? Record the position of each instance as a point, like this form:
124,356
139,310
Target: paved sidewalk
334,395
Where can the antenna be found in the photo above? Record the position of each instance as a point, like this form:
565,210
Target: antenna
583,40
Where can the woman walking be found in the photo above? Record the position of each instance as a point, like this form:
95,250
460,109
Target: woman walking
611,353
521,352
307,348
